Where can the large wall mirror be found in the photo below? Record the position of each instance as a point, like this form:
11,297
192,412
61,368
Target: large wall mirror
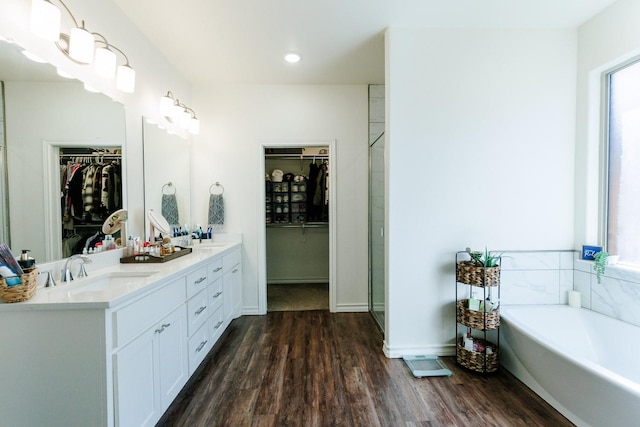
46,116
167,175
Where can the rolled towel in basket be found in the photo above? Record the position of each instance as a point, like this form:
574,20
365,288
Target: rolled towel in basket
216,210
170,209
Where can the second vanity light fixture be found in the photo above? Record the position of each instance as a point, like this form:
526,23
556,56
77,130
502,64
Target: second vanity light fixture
80,45
179,114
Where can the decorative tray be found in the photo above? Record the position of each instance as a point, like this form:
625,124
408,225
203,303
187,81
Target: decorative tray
152,259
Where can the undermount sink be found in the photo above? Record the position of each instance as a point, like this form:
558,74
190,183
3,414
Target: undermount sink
106,281
211,245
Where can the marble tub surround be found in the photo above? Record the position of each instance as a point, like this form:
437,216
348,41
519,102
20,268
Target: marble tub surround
537,277
617,295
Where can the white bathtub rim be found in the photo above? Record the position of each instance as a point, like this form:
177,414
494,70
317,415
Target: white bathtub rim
598,370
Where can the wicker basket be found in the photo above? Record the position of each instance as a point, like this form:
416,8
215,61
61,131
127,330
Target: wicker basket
471,274
479,320
24,290
478,361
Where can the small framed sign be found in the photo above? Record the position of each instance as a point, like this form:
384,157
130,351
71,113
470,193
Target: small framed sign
589,252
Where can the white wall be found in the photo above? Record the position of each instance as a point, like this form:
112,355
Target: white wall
607,40
480,133
237,120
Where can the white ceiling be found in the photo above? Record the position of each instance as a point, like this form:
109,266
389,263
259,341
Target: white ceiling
341,40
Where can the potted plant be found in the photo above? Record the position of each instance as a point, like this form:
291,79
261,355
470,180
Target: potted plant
599,263
482,269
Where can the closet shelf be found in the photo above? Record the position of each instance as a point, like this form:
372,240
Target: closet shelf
301,225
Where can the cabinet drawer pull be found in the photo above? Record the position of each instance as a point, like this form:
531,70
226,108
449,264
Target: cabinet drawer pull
217,294
217,269
201,309
162,328
218,324
235,270
201,346
200,280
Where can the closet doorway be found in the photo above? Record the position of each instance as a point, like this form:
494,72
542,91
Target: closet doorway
298,227
73,214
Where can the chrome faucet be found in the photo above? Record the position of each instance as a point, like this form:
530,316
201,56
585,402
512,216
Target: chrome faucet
66,275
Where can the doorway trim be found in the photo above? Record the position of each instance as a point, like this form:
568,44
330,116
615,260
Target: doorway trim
262,229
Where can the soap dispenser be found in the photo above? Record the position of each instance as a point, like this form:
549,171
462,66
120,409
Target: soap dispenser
25,260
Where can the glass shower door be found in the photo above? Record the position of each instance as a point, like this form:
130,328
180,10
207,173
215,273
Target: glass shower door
376,231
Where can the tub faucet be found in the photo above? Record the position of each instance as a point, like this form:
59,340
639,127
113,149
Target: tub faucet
66,270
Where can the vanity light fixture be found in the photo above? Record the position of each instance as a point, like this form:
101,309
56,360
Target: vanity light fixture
176,113
81,45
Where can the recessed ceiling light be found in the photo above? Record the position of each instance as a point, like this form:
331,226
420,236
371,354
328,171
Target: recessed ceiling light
292,57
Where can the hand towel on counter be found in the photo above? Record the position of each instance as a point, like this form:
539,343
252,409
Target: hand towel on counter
216,210
170,209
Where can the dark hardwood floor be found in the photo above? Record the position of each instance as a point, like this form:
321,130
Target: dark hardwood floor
314,368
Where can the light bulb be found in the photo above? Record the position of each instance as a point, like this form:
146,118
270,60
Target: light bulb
45,20
166,104
194,126
105,62
126,79
81,45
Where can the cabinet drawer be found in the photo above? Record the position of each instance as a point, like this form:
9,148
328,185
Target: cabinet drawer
199,345
215,270
215,294
196,281
231,260
198,311
216,325
138,316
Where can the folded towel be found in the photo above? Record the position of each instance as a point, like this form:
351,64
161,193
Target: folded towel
170,210
216,210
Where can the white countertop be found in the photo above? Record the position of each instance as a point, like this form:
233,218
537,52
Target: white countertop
115,284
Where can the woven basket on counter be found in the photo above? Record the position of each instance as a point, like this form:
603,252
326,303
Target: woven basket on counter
24,290
472,274
478,361
479,320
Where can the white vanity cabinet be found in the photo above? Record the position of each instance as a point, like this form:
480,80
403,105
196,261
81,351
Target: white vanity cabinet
114,362
232,283
151,370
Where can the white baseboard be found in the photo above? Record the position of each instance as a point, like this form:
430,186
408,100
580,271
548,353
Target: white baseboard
297,281
427,350
352,308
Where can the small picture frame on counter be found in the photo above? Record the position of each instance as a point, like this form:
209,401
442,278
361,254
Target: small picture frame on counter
589,252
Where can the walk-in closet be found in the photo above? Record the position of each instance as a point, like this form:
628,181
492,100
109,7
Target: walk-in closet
297,227
90,191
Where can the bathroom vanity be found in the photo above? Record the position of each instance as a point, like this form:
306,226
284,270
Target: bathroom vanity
115,348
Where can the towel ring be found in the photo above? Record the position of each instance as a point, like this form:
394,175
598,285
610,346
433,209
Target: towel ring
217,184
169,184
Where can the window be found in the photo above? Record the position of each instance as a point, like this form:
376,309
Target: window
623,204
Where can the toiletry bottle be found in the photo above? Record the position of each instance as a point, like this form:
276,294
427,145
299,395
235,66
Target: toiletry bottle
25,260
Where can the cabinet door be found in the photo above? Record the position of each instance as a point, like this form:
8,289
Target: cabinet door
227,284
173,366
236,275
135,398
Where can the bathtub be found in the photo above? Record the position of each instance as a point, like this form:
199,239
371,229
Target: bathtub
585,364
